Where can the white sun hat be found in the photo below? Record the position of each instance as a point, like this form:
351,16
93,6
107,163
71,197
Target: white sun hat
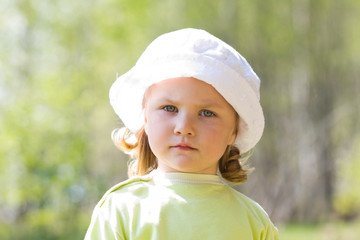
193,53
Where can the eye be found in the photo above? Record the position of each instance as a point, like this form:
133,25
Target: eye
207,113
170,108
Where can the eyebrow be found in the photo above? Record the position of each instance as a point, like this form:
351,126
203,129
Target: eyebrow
207,104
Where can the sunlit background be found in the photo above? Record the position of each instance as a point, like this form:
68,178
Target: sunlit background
59,58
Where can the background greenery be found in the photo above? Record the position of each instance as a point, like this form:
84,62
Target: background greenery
59,58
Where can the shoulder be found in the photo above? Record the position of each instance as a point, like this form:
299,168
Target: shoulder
259,218
125,188
253,208
111,215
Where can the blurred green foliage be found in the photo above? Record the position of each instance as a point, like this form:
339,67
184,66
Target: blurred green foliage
347,198
59,58
331,230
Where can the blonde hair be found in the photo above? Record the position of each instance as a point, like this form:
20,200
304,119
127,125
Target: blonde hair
231,165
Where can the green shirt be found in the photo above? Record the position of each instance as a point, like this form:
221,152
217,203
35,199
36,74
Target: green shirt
184,206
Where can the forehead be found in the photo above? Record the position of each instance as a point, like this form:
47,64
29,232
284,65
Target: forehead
185,89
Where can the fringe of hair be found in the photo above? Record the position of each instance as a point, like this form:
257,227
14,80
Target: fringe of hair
232,164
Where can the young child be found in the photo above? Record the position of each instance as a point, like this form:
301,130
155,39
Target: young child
192,102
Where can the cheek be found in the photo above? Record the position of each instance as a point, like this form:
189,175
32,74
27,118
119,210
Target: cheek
151,120
157,128
223,135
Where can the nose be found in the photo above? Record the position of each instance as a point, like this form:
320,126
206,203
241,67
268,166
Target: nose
184,125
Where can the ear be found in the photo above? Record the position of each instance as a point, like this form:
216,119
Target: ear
235,131
232,138
146,128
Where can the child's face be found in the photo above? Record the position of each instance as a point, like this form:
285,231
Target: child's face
189,125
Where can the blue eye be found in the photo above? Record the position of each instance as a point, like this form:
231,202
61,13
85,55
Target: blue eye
207,113
170,108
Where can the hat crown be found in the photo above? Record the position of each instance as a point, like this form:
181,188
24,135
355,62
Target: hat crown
182,43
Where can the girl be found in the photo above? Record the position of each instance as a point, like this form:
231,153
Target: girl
193,103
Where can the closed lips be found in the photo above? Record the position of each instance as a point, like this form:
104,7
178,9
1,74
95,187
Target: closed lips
184,147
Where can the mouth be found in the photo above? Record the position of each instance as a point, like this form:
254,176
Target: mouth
184,147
